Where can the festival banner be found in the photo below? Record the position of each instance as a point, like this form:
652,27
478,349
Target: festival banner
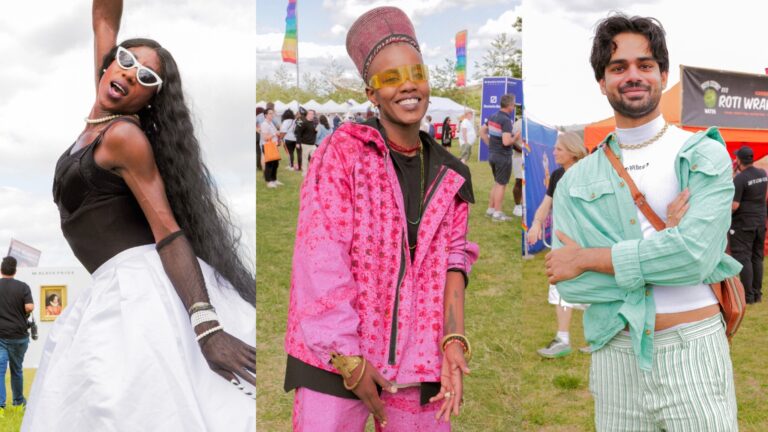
539,165
493,89
461,58
291,42
724,99
26,255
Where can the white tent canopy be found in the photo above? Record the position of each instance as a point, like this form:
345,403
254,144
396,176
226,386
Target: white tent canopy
439,107
312,105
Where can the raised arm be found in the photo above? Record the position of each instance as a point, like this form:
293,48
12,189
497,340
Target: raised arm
105,19
126,150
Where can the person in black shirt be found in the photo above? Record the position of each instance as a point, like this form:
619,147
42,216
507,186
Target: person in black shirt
569,149
747,234
305,133
15,306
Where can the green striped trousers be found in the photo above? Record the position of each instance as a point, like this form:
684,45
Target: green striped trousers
690,387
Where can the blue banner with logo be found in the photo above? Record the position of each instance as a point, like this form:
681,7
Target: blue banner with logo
539,165
493,89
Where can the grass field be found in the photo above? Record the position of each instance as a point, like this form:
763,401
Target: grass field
556,395
10,418
492,308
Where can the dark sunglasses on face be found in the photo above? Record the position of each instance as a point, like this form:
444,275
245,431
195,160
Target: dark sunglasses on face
144,75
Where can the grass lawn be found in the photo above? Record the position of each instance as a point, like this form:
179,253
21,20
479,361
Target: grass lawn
10,418
556,394
492,392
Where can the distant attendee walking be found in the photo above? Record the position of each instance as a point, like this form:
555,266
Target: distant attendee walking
269,135
15,306
336,121
259,119
447,134
431,128
498,134
467,136
305,136
569,149
287,128
323,129
747,234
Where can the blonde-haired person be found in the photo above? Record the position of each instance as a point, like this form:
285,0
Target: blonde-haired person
569,149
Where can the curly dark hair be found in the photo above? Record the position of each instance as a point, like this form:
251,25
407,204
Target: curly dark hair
288,115
192,193
603,45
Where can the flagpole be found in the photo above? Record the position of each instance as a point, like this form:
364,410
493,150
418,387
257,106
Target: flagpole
296,14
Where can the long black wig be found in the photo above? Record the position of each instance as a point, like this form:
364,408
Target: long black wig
192,194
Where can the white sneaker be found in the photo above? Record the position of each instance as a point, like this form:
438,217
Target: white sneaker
271,185
278,183
289,168
500,217
555,349
489,212
518,211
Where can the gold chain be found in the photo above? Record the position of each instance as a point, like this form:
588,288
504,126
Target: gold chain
646,142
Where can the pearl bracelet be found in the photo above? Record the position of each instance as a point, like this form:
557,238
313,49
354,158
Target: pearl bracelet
202,316
207,332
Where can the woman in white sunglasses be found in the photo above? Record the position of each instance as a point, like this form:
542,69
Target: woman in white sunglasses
161,340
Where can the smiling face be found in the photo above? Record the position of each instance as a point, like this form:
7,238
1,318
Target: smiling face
400,106
633,81
120,92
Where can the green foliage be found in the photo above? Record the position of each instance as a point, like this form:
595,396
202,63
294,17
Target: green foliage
443,78
328,84
11,416
567,382
504,58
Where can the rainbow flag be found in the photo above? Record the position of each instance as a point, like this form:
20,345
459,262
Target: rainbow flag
291,42
461,58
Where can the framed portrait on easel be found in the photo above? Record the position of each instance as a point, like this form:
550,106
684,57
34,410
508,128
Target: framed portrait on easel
53,299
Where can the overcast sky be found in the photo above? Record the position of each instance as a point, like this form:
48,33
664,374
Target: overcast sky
560,87
46,89
323,25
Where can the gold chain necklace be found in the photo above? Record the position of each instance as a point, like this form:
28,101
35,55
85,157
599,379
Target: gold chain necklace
645,143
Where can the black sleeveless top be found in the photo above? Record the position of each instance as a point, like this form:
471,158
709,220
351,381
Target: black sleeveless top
100,217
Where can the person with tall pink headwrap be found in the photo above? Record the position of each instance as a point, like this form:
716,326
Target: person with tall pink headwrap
381,259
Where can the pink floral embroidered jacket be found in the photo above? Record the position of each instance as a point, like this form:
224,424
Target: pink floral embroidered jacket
354,289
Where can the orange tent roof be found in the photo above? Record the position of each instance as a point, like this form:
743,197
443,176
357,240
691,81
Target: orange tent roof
671,108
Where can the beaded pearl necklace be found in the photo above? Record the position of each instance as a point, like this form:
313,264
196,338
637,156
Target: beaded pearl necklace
107,118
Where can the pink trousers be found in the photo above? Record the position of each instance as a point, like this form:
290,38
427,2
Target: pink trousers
318,412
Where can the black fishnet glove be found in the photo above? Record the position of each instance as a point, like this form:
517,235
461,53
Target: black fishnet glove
226,355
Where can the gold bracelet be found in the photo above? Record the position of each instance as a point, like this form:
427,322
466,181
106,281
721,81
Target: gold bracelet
360,378
465,344
345,364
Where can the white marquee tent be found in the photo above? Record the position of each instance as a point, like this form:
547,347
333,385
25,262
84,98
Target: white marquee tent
439,107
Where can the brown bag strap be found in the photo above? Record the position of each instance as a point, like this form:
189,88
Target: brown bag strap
637,196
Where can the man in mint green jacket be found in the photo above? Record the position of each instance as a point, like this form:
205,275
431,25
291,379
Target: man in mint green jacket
660,355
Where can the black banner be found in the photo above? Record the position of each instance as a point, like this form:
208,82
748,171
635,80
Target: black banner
724,99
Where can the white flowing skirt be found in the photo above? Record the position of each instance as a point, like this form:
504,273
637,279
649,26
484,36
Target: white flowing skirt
123,357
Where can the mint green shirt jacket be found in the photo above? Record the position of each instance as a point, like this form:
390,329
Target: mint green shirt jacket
594,207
